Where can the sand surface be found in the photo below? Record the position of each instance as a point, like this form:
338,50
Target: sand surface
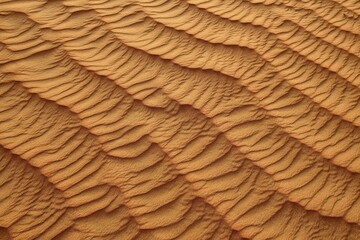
179,119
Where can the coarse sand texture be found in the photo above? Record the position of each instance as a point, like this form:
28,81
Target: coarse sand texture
179,119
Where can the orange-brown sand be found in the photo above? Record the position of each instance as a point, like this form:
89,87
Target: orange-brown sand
179,119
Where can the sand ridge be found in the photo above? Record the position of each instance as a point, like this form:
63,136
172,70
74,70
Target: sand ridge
174,119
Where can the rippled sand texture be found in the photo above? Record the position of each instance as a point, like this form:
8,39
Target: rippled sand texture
173,119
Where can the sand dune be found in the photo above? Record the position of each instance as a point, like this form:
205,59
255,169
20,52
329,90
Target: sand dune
180,119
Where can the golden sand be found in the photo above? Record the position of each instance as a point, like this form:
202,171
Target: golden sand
179,119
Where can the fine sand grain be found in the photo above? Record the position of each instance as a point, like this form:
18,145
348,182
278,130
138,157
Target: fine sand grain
179,119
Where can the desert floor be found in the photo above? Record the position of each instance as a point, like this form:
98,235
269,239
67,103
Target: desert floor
179,119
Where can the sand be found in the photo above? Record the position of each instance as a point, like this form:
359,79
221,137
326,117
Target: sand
179,119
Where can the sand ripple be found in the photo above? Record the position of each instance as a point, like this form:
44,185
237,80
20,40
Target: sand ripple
174,119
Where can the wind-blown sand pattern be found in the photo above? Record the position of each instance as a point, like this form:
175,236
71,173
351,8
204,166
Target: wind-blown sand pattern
174,119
